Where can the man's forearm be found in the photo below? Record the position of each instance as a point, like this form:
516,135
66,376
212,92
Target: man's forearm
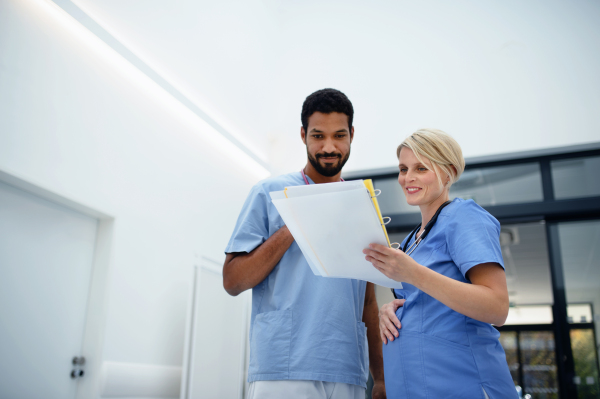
371,320
244,271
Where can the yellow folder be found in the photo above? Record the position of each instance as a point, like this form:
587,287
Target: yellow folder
369,186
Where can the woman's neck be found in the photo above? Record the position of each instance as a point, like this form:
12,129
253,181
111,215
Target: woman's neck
428,210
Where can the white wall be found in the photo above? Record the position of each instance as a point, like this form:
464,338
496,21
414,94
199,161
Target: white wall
501,76
72,122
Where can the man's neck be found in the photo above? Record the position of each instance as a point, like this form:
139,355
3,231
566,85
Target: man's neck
319,178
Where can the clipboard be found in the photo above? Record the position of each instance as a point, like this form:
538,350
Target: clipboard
332,223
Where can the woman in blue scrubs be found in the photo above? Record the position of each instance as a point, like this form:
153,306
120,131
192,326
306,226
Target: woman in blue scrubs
439,341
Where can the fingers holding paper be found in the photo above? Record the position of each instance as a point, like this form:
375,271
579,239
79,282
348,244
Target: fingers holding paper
394,263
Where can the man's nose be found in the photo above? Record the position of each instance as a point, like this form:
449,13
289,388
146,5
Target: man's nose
329,146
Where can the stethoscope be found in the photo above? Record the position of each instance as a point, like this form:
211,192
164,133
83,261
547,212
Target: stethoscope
306,180
425,232
420,238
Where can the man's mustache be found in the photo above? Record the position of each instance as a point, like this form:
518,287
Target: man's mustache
329,155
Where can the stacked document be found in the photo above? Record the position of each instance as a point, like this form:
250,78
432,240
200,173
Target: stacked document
332,223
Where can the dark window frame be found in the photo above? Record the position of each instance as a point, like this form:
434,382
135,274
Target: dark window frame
550,210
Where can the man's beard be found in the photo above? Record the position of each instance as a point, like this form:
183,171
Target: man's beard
328,170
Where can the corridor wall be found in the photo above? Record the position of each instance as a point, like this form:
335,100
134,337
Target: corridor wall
74,124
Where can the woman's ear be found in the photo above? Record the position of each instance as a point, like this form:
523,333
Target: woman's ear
450,177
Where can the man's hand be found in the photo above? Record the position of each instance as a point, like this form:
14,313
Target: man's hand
243,271
378,391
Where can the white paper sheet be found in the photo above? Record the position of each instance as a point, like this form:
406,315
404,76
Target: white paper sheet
332,224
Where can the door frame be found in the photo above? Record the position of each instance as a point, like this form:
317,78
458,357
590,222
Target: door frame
192,325
93,333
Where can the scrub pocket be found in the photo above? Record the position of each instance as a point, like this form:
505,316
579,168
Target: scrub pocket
363,349
270,343
420,366
450,369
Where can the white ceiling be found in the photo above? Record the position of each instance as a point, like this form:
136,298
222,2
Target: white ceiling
499,76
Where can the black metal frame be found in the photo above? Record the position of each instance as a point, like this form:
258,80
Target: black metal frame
518,329
571,390
552,211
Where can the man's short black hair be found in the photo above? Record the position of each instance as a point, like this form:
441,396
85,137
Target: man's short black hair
327,101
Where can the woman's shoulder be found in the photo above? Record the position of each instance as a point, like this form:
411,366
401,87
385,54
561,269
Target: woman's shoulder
465,211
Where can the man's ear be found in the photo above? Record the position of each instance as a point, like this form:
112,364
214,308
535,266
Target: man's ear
351,134
303,135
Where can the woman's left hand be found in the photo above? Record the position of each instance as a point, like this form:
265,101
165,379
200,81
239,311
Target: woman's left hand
392,262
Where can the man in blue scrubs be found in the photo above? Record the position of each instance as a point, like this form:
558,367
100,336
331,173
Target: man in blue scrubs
308,334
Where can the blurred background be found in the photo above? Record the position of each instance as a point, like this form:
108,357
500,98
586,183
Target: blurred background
132,131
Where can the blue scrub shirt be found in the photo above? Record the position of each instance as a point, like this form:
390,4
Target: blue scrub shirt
441,353
303,327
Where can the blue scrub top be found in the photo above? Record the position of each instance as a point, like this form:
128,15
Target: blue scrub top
441,353
303,327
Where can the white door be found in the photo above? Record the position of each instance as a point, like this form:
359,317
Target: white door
218,341
46,255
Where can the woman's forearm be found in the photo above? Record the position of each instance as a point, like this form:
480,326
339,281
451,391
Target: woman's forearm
485,300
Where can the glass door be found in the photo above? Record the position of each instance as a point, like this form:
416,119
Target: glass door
528,336
580,258
531,358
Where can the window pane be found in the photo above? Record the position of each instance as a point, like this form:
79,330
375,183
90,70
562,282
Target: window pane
580,252
525,253
577,177
579,246
508,340
500,185
539,364
586,370
521,315
579,313
392,200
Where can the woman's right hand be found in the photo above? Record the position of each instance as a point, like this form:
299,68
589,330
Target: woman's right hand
388,321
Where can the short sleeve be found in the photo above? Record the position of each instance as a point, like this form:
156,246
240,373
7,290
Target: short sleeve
252,226
473,237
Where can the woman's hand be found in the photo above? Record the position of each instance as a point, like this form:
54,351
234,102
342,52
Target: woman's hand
392,262
388,321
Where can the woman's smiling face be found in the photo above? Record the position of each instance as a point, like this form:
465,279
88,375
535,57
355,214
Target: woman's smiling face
418,180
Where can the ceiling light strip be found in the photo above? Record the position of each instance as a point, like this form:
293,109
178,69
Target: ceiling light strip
84,19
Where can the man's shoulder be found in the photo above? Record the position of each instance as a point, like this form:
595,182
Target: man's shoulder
280,182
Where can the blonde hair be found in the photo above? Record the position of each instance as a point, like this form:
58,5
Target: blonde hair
439,148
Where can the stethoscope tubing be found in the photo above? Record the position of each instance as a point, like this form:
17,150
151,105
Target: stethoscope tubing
420,238
425,232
